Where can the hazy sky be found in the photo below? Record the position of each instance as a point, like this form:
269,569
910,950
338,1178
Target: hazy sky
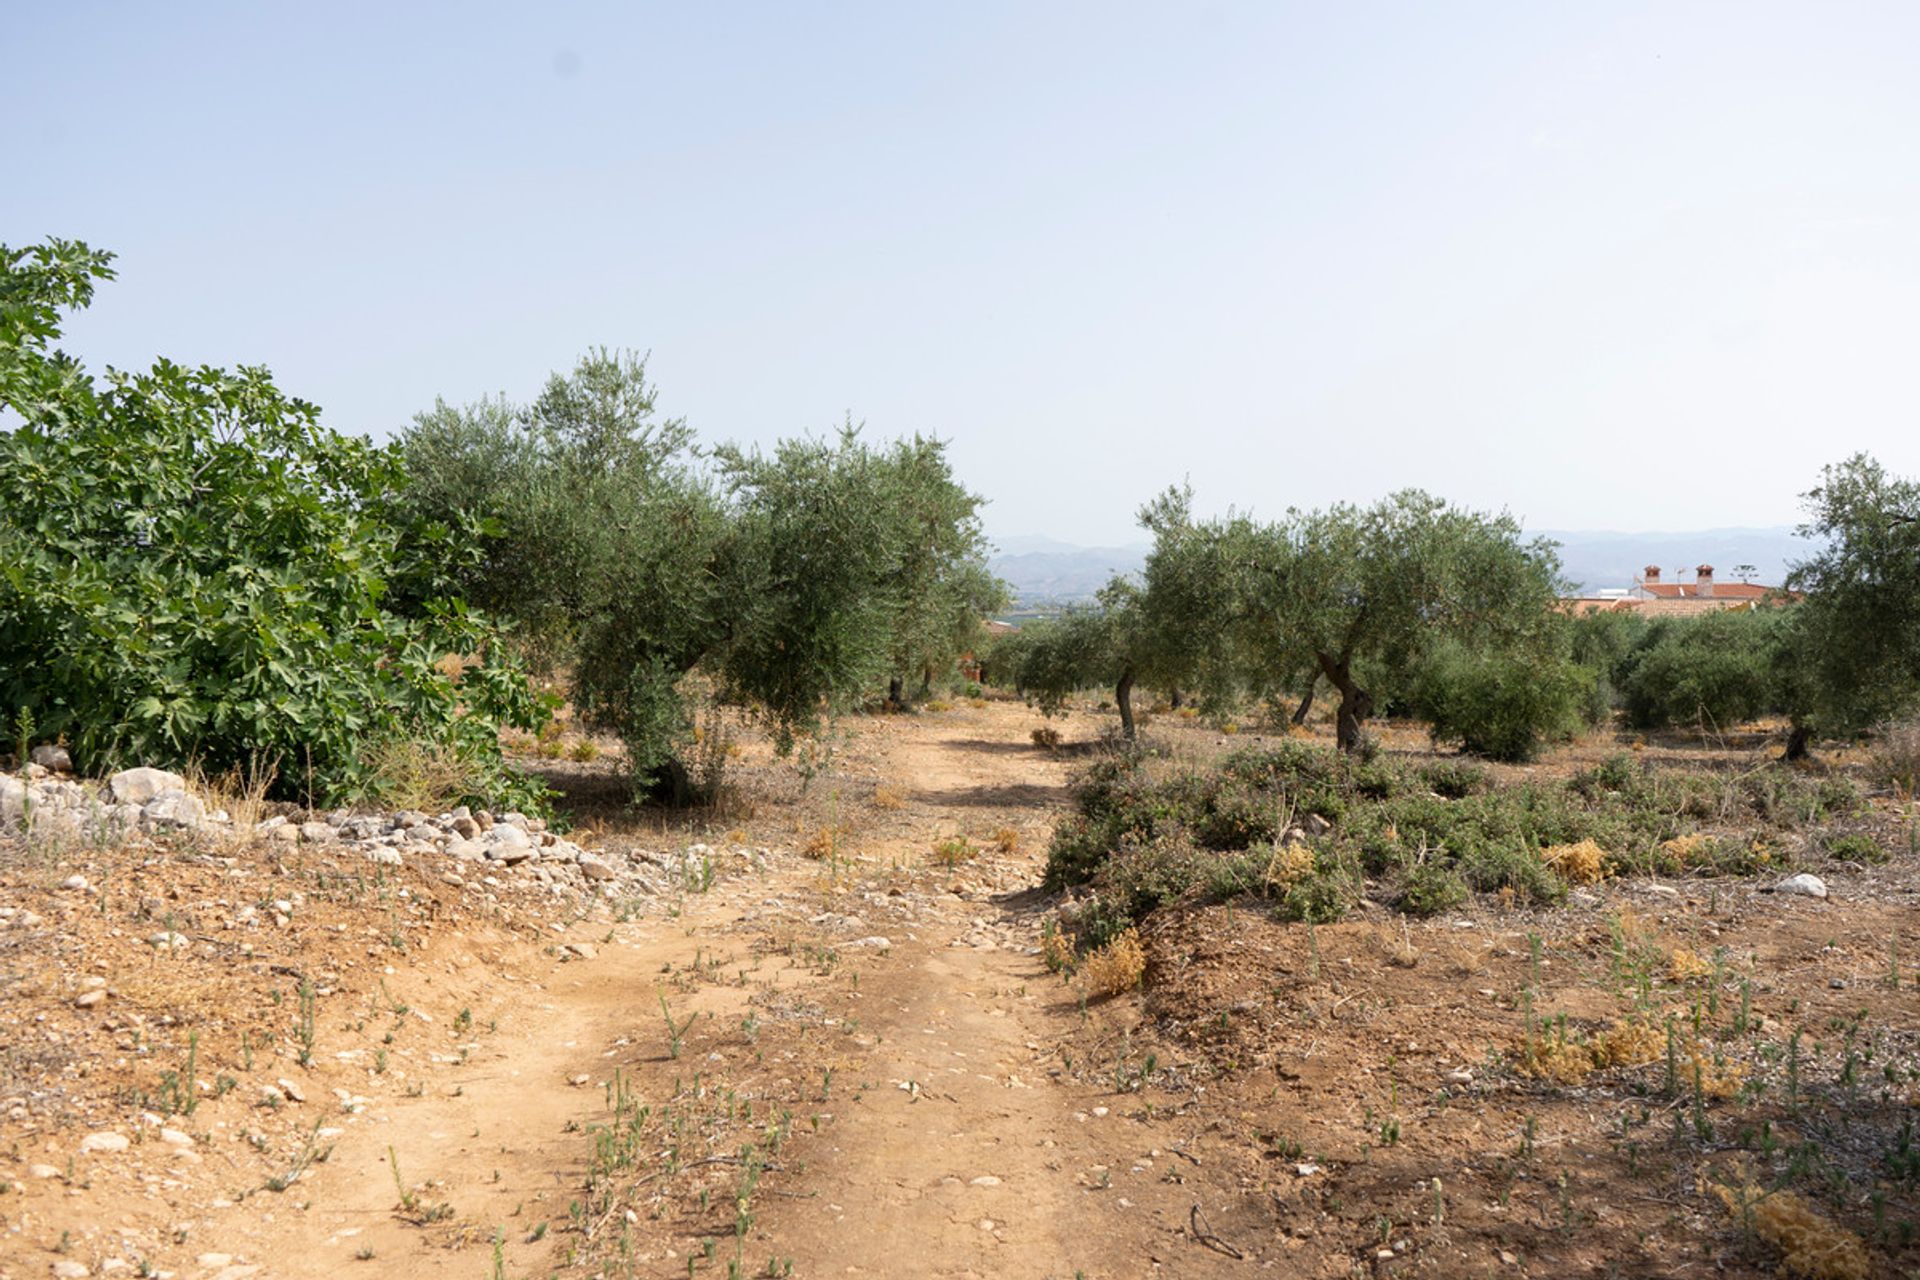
1608,265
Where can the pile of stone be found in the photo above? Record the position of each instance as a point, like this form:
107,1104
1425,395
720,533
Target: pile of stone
45,804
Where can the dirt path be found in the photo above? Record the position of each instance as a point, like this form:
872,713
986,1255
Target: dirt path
943,1140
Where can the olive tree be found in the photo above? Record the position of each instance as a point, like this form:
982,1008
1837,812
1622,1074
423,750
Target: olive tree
1351,590
1853,656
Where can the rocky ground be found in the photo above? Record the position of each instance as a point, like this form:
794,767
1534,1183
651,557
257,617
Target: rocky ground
819,1038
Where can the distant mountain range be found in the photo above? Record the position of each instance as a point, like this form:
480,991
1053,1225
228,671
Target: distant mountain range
1046,571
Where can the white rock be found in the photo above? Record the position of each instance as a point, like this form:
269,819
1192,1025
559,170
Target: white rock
66,1269
384,855
173,808
42,1171
1808,886
104,1142
293,1091
594,868
13,799
877,942
317,832
137,786
88,999
170,941
74,884
175,1138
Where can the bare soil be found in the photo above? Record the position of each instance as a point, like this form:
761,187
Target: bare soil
845,1056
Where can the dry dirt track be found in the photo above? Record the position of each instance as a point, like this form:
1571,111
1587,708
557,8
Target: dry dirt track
950,1144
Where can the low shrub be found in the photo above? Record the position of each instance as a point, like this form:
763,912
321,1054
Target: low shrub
1504,706
1431,834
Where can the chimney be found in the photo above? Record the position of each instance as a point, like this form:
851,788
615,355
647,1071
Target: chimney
1703,583
1652,573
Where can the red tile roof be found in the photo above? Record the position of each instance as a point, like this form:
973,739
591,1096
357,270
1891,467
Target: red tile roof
1691,590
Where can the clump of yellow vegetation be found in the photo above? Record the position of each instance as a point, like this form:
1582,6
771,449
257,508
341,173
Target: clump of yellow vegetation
1814,1247
1688,848
1684,965
1631,1042
1287,864
824,843
1116,967
1006,839
1046,737
936,705
1717,1077
887,798
1581,863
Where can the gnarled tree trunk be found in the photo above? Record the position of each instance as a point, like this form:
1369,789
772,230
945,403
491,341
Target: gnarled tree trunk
1123,698
1799,742
1356,704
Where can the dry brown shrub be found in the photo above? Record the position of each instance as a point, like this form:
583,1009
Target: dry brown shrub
1814,1247
1632,1043
418,775
1581,863
1555,1061
1894,761
1006,839
1046,737
824,842
1684,965
1116,967
936,705
888,798
1721,1079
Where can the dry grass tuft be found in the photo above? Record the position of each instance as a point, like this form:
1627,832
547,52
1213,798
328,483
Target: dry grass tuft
1894,762
1814,1247
1582,863
888,798
824,842
418,775
1055,950
953,851
1047,738
1116,967
936,705
1006,839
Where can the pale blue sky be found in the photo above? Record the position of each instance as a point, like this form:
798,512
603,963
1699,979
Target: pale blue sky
1609,265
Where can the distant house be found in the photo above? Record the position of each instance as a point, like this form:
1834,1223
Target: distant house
1652,597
